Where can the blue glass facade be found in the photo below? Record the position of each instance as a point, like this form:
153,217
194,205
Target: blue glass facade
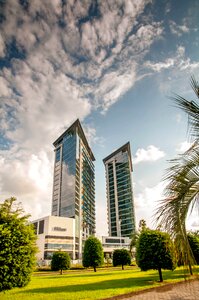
119,192
88,193
67,195
74,181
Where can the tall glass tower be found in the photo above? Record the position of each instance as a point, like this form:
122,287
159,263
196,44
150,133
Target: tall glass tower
74,183
121,216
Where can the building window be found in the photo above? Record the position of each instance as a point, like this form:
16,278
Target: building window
57,158
35,227
41,226
58,237
48,255
115,241
53,246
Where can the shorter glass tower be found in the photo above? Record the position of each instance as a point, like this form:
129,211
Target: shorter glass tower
121,216
74,183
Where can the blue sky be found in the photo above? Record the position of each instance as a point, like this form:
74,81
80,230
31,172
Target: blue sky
112,64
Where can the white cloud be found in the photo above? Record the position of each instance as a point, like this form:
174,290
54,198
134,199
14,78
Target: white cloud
47,104
113,86
57,45
69,68
157,67
92,137
148,198
4,88
178,118
179,62
2,46
178,29
192,221
29,178
183,146
177,65
152,153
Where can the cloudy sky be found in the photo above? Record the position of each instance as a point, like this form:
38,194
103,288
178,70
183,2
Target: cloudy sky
112,64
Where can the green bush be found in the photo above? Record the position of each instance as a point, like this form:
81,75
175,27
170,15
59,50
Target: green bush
93,253
121,257
60,261
42,269
17,246
155,250
76,267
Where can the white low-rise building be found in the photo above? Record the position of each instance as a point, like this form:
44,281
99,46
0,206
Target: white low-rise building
58,233
111,243
55,233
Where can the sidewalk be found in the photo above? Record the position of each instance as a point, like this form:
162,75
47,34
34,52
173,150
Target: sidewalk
180,291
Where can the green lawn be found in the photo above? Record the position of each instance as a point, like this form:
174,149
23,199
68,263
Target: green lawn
89,285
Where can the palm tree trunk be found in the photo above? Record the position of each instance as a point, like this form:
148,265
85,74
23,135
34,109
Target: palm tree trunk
94,268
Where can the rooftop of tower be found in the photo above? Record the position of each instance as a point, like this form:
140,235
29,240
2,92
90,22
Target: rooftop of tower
76,125
125,147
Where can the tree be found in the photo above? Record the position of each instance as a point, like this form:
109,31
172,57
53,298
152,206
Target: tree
155,251
142,225
121,257
133,242
60,261
136,234
182,183
93,253
194,244
17,246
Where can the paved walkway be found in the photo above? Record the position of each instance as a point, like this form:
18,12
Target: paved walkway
186,291
181,291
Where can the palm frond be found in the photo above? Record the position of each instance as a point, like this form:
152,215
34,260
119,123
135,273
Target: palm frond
191,108
195,85
182,182
181,193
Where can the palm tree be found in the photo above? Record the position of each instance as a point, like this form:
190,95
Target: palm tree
182,182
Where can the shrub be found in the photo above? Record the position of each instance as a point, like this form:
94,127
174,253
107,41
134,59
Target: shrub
17,246
155,250
121,257
93,253
60,261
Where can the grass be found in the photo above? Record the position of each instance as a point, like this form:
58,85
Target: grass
86,284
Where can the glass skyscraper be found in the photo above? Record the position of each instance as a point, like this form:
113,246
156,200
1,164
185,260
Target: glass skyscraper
74,182
121,216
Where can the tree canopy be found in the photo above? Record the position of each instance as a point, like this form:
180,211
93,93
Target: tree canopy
93,253
60,261
155,251
17,246
121,257
135,235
